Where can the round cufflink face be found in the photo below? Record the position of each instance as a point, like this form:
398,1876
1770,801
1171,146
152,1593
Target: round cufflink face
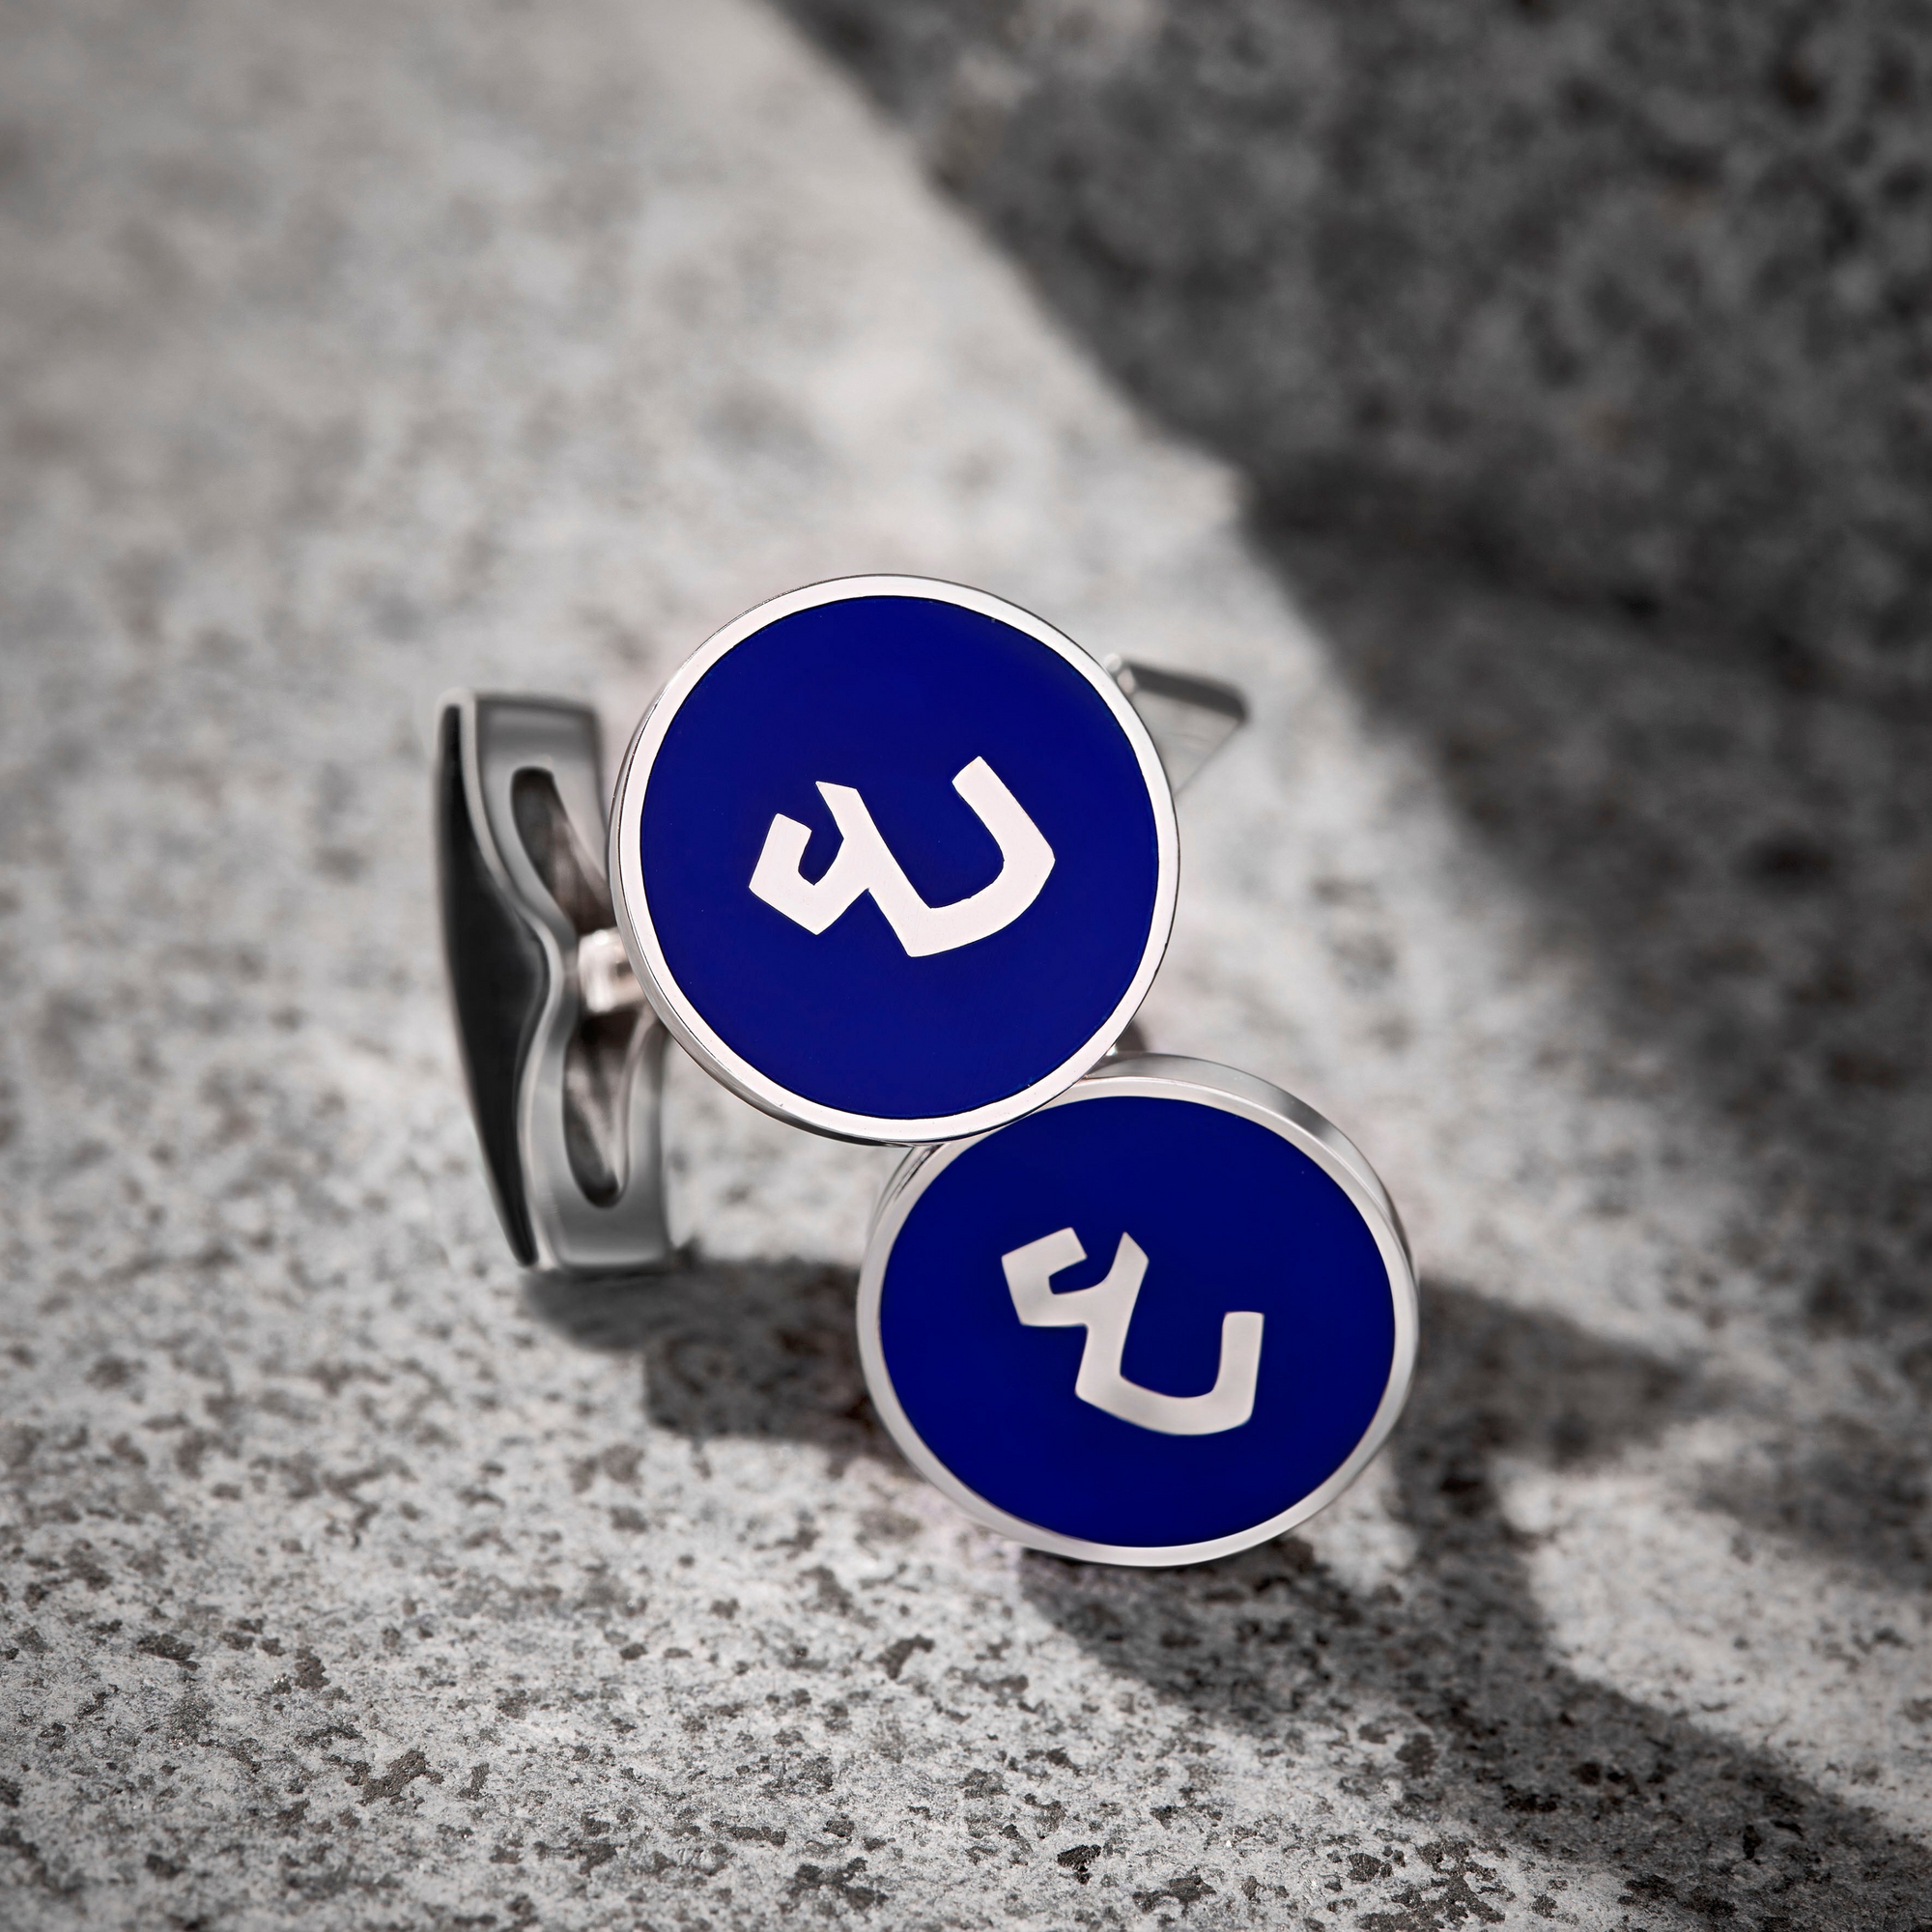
1167,1316
894,859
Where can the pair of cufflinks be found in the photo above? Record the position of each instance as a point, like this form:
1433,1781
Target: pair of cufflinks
896,861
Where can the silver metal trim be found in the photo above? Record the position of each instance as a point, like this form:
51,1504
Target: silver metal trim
603,972
1188,718
681,1015
1163,1076
544,1062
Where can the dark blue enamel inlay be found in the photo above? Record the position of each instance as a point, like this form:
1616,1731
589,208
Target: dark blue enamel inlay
1231,1216
892,696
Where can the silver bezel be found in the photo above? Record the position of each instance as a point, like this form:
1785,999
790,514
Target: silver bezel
1162,1077
681,1015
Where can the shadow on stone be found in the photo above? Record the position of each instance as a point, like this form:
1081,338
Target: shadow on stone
761,1350
1848,1490
1744,860
1628,299
1448,1697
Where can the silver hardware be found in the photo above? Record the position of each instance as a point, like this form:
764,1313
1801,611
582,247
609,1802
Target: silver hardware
565,1064
1188,718
604,972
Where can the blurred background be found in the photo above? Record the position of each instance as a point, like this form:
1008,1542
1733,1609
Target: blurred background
1626,303
1528,405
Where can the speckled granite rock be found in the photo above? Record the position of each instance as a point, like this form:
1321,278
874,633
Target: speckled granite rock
348,1579
1632,300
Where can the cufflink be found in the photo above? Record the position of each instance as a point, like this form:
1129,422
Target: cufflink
1168,1316
894,859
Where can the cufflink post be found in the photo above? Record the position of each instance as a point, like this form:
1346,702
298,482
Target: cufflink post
1188,718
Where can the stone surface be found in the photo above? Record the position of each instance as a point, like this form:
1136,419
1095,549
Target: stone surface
1634,299
349,1580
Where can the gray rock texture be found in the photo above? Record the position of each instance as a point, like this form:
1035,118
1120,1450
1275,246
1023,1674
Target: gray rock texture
349,1580
1634,299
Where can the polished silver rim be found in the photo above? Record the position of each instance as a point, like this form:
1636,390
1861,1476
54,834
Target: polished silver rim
683,1019
1170,1077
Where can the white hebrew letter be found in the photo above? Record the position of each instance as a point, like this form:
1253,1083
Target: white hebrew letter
1105,1310
864,863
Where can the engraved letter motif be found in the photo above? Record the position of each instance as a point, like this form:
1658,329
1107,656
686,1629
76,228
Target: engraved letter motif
1105,1311
864,863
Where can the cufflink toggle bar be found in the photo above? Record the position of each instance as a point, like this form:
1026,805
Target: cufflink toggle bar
564,1059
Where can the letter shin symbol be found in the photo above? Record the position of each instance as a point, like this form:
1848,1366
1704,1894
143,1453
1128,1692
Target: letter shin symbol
1105,1311
864,863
